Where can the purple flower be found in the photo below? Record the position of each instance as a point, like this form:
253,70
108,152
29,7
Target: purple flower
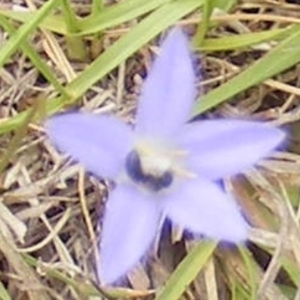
164,166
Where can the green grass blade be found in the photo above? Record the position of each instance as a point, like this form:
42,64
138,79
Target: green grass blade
3,293
52,23
22,33
20,133
85,288
208,7
187,270
31,53
247,258
238,292
108,17
282,57
118,14
117,53
243,40
131,42
224,5
21,270
97,6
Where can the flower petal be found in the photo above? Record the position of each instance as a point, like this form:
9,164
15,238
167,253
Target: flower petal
168,92
100,143
203,208
130,223
226,147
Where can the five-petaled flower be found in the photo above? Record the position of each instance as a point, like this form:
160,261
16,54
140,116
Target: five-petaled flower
164,166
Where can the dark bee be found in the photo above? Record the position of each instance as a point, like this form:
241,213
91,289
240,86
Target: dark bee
134,169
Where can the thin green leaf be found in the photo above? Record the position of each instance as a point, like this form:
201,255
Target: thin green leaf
52,23
243,40
117,53
118,14
203,26
224,5
282,57
131,42
97,6
22,33
19,134
85,287
208,7
69,16
247,258
4,295
187,271
75,45
109,16
23,272
291,268
238,292
31,53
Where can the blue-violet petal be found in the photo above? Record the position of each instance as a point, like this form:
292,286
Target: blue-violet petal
100,143
220,148
169,90
203,208
130,223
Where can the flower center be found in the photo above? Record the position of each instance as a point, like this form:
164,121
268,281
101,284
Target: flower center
142,170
